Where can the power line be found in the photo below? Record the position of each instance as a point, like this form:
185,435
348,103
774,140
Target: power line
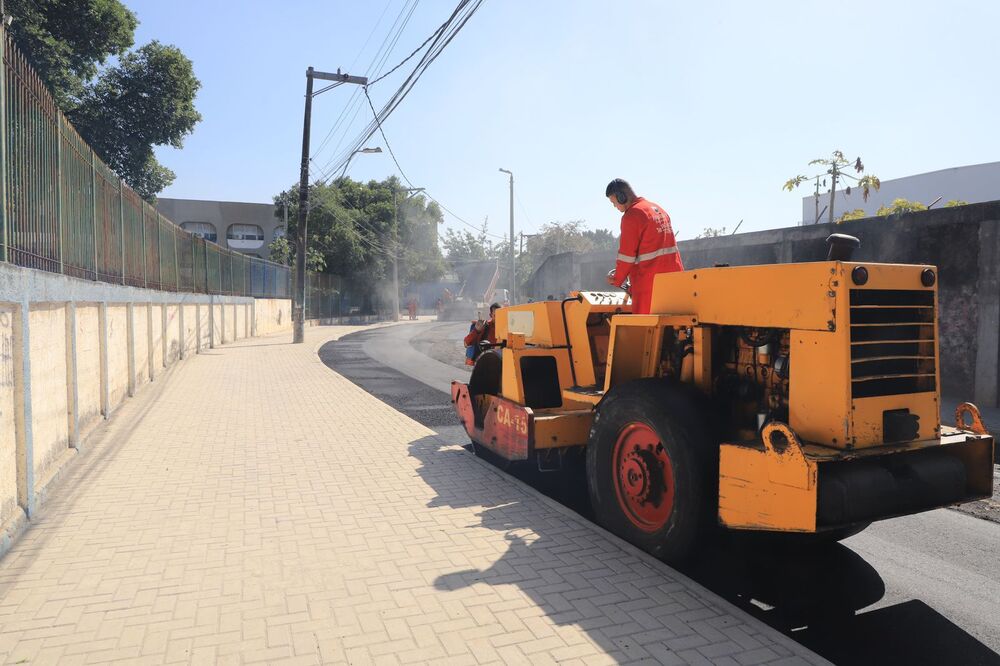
385,139
453,26
374,67
354,62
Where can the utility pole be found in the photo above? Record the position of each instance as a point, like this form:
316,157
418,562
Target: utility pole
395,248
301,230
513,268
834,172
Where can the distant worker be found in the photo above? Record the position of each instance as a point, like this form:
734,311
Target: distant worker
646,247
481,331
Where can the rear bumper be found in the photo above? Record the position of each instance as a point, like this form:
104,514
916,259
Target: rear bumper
809,488
502,426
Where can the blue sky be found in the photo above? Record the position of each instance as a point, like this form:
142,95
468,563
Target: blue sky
707,108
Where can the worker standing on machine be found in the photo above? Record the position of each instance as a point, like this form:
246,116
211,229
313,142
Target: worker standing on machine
646,247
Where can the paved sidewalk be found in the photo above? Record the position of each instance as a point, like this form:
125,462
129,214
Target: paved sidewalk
254,506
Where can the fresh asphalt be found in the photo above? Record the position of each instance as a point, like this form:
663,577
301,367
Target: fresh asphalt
922,589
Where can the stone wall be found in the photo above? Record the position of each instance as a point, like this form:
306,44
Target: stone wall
963,242
74,350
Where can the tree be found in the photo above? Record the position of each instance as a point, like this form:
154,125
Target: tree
352,233
856,214
123,111
464,246
900,206
835,169
956,202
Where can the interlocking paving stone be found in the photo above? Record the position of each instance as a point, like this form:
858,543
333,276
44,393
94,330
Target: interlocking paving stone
253,506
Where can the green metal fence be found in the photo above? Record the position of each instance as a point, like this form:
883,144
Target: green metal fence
331,296
63,210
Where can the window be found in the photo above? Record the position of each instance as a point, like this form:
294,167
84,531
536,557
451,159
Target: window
247,232
245,236
204,230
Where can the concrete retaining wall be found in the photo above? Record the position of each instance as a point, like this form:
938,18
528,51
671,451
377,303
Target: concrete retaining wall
88,365
73,350
272,315
963,242
190,321
8,404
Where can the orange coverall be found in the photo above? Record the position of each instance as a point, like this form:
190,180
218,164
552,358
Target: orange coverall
647,247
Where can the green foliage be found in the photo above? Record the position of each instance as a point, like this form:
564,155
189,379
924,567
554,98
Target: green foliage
352,232
795,181
146,99
856,214
711,232
464,246
900,206
282,251
836,167
956,202
67,41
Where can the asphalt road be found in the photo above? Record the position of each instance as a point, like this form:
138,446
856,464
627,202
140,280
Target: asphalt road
916,590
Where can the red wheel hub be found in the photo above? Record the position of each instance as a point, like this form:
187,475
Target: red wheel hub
643,477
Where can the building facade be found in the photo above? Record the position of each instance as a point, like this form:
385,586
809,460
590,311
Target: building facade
976,183
244,227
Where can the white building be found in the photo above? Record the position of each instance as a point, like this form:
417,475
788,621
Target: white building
244,227
972,184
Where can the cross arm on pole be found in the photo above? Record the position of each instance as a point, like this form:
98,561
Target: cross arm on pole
340,78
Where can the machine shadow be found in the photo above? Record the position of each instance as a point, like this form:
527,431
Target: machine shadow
811,594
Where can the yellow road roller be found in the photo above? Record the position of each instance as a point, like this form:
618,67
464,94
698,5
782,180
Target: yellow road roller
799,397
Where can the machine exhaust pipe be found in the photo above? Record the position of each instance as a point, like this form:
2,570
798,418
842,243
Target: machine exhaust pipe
842,247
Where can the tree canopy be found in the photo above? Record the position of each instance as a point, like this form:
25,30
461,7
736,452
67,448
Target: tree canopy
144,100
351,227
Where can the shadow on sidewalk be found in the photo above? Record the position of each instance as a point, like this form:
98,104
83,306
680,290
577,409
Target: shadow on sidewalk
636,610
630,608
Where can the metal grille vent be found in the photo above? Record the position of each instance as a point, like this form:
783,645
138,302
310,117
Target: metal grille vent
892,342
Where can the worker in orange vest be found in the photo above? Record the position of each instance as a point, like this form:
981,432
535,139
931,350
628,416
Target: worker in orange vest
646,247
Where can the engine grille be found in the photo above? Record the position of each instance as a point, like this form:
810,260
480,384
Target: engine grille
892,342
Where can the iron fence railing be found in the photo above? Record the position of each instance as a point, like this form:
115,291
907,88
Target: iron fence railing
63,210
331,296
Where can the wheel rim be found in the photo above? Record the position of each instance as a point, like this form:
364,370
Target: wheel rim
643,477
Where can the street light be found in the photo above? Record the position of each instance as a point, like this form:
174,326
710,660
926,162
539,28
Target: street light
395,248
363,151
513,274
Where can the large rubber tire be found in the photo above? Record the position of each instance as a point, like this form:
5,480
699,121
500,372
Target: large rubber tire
652,469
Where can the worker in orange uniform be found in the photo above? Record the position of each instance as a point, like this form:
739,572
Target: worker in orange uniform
646,247
481,331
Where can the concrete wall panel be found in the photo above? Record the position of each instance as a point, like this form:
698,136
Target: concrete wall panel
190,329
156,338
141,338
88,364
273,315
205,329
49,421
8,439
230,323
173,332
240,320
117,354
217,324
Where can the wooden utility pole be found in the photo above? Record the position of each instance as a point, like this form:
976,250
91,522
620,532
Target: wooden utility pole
301,229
